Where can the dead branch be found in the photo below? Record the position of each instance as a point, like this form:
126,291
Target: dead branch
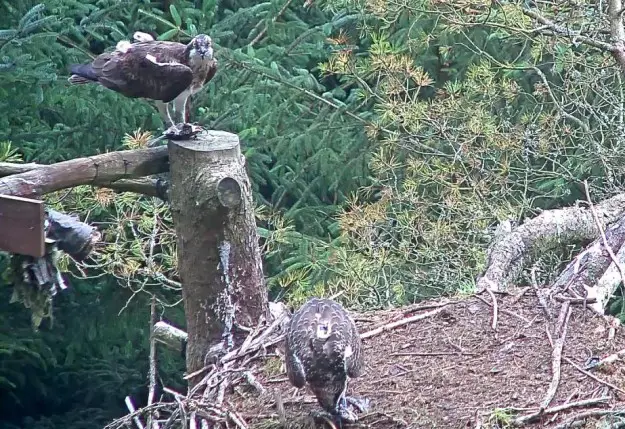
152,424
523,420
556,362
581,417
594,274
617,31
510,254
594,377
495,308
402,322
144,185
550,28
95,170
600,227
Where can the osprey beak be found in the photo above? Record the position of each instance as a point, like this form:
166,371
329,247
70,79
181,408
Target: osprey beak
207,53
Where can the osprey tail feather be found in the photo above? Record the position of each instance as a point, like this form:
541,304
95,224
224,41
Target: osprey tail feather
82,73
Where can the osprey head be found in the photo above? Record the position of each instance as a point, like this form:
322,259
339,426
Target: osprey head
201,46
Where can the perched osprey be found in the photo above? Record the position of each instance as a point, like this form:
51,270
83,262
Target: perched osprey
323,349
167,72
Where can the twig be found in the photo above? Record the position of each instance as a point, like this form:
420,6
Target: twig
504,311
236,419
433,354
132,409
495,308
539,295
563,31
609,359
152,423
523,420
594,377
274,19
399,323
620,268
588,414
556,354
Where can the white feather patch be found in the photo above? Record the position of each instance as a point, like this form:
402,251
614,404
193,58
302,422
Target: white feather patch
153,59
348,351
140,36
123,46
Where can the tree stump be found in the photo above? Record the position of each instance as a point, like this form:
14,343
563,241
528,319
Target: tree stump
218,253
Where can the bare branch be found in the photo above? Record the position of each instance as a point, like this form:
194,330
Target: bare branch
617,31
99,170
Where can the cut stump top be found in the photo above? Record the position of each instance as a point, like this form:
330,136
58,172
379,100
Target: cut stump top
209,141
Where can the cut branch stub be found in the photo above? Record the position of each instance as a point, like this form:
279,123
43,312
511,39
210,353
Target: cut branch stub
218,253
169,335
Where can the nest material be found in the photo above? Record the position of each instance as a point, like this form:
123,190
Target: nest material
437,365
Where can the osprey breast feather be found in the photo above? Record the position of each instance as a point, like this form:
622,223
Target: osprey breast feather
166,72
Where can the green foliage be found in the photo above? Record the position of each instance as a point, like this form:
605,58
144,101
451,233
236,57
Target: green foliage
474,121
384,141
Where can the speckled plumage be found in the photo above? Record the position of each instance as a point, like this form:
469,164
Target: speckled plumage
323,349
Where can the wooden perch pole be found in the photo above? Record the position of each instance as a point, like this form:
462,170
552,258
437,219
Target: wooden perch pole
94,170
218,253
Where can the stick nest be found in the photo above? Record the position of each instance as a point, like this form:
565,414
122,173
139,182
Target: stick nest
490,361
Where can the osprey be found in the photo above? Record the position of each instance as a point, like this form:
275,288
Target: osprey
323,349
166,72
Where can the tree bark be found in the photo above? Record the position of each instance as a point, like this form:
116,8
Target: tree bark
592,274
143,186
510,254
94,170
218,253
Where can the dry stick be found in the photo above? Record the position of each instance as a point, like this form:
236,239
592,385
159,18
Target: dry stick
620,268
152,423
594,377
504,311
556,361
523,420
520,295
495,308
541,297
399,323
131,407
587,414
433,354
418,307
274,19
611,358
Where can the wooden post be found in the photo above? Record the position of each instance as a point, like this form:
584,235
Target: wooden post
218,252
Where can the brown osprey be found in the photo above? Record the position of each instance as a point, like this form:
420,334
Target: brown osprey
323,349
162,71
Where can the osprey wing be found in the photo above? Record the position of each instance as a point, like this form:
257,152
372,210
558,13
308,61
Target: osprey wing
294,368
297,344
151,70
355,362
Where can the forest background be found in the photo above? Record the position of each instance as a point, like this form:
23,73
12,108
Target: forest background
385,140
